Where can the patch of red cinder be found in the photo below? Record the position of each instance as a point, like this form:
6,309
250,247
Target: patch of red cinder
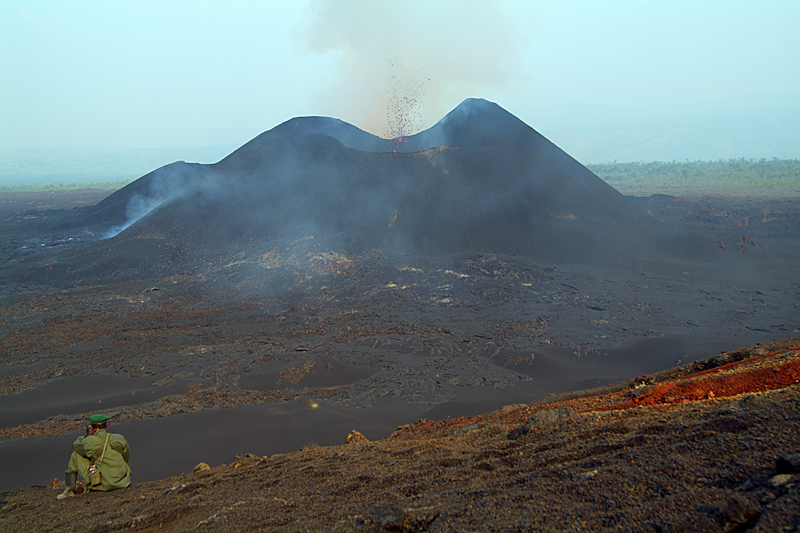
755,374
758,379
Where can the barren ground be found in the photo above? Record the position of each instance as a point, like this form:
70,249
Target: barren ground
708,447
203,366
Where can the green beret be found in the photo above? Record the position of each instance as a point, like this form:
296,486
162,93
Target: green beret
96,420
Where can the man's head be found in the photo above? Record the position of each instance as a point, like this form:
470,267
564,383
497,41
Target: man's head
98,421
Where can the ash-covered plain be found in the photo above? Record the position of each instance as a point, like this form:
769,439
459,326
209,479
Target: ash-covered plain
320,279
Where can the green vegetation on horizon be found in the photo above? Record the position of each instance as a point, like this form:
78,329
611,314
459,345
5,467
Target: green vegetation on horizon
66,186
732,177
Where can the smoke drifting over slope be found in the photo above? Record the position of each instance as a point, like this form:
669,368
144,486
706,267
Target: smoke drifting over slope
478,49
479,181
157,188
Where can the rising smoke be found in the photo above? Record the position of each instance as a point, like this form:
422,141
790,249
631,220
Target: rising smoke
162,186
402,65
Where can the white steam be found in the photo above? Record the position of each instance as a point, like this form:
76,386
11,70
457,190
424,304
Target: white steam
167,183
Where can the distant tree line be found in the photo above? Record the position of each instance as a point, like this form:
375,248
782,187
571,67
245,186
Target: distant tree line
65,185
732,177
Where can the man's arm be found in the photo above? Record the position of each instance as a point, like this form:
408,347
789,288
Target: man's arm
78,447
125,450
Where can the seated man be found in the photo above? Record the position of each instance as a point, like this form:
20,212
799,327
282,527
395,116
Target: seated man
104,451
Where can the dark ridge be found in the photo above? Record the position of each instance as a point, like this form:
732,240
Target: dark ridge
480,180
345,133
474,123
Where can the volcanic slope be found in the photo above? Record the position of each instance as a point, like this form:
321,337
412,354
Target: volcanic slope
711,446
482,181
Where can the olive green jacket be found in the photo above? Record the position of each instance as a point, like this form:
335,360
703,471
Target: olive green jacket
114,471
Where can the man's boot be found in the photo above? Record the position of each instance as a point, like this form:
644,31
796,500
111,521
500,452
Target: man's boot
69,480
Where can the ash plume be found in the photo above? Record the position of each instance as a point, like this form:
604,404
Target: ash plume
404,64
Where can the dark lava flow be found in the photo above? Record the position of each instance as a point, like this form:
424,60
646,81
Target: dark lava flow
316,281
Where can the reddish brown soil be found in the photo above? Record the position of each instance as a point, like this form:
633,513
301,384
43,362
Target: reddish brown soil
756,369
593,461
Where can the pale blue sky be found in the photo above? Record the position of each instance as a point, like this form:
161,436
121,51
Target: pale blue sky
606,80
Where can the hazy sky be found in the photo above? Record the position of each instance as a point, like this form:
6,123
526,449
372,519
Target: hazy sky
610,79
